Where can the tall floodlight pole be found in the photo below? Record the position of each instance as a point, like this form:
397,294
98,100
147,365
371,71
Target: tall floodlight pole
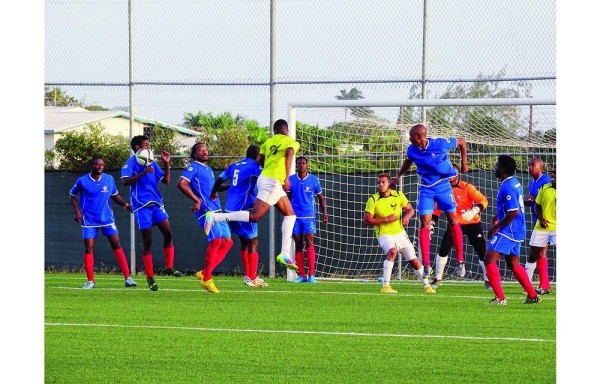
271,122
424,63
131,122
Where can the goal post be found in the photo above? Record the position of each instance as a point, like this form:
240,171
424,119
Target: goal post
349,142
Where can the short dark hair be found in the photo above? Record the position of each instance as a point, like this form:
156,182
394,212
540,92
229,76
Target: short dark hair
300,158
94,158
138,140
383,174
194,149
278,124
253,151
508,164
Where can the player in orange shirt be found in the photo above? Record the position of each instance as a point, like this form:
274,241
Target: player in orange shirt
469,202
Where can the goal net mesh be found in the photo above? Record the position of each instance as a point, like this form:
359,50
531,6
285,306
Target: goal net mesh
347,147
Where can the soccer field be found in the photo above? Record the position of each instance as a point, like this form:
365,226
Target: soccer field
330,332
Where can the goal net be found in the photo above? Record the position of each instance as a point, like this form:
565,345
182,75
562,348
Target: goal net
348,143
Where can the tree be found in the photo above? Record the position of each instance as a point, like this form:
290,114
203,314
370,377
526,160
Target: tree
354,94
55,96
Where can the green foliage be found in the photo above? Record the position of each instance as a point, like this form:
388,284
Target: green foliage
354,94
74,149
55,96
257,134
164,139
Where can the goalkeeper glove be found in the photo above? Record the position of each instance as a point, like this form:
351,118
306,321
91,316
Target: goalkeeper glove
469,214
431,229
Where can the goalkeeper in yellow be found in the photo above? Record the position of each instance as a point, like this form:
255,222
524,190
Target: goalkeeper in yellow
276,155
384,213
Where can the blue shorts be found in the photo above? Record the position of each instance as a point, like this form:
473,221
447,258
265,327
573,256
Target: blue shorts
440,193
150,215
305,225
244,230
220,230
92,232
504,245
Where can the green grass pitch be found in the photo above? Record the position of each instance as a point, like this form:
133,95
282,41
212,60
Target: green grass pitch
330,332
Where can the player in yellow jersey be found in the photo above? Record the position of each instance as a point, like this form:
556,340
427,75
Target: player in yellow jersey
276,155
384,213
544,232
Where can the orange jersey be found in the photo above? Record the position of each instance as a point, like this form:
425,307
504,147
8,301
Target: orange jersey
466,196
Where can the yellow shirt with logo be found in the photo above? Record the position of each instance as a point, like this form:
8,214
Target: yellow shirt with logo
546,198
380,207
274,151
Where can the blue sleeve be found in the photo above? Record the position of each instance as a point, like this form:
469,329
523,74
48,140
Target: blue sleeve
189,172
113,186
159,172
317,186
127,169
226,174
511,199
76,188
449,143
256,169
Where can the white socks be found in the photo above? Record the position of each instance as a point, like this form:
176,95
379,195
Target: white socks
287,227
233,216
440,264
530,268
387,271
419,273
483,270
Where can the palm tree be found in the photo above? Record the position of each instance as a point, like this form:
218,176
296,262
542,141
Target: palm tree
354,94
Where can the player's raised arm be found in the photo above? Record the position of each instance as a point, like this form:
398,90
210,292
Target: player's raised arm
403,168
166,156
462,145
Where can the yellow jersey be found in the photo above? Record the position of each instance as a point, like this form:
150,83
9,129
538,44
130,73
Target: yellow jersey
380,207
546,198
274,151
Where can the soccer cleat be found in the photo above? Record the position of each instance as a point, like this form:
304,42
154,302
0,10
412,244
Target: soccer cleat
209,221
487,285
152,284
129,282
429,289
541,291
200,276
497,301
210,286
286,262
173,272
436,283
534,300
300,279
388,290
427,272
261,283
460,270
89,285
311,279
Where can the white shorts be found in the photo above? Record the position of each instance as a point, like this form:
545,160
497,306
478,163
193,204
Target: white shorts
269,190
542,238
399,241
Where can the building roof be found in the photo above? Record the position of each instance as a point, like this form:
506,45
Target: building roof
60,119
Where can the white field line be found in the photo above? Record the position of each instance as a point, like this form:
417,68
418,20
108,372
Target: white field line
323,333
265,291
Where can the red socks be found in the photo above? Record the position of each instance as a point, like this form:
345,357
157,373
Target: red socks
88,263
226,244
300,263
493,274
252,265
310,253
542,267
245,263
148,267
210,258
521,275
458,242
424,245
122,261
169,256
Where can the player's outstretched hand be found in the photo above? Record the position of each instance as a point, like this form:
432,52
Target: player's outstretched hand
166,156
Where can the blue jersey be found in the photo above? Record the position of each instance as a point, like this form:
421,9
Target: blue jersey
534,188
433,165
96,207
303,192
202,179
510,198
145,190
242,188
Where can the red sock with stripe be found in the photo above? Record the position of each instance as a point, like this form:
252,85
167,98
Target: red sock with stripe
542,267
244,257
88,263
424,245
457,236
493,274
148,267
253,265
310,254
169,256
122,261
521,276
210,258
299,256
226,245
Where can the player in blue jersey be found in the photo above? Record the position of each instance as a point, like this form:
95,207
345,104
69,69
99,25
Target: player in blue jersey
507,233
148,206
96,189
241,194
434,168
539,178
196,182
303,188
